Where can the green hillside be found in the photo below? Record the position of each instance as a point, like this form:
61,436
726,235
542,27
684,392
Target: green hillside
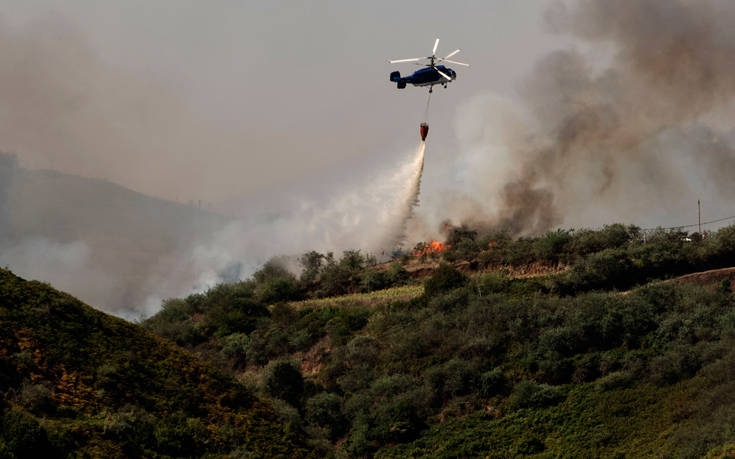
77,382
600,356
615,346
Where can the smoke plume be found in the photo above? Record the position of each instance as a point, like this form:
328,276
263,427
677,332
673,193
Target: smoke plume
629,125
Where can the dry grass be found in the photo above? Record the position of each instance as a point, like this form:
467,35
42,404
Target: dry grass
371,299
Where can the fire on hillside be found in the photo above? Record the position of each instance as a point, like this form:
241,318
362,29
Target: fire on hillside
429,248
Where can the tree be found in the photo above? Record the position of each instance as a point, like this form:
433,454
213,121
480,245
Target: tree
312,263
282,379
445,278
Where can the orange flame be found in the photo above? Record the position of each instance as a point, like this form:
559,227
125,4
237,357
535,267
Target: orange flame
430,248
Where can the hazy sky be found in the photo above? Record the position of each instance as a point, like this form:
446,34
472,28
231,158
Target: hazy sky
221,100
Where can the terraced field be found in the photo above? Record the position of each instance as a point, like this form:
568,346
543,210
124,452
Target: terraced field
375,298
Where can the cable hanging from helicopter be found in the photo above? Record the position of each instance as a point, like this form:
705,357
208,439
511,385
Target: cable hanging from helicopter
432,74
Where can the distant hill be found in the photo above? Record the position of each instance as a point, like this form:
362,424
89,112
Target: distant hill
77,382
110,245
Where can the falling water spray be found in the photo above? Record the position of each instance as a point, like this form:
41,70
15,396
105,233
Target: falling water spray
408,199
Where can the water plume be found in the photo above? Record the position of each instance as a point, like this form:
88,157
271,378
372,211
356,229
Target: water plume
409,199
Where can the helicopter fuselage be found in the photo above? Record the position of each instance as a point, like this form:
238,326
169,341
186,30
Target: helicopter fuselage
428,76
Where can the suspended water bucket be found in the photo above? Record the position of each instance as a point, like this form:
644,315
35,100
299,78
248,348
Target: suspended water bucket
424,130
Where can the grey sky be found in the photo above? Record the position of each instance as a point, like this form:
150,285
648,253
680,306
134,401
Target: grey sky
220,100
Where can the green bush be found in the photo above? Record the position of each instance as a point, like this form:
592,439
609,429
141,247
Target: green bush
527,394
235,346
311,262
282,379
674,365
550,247
397,275
397,421
374,280
278,289
492,282
454,378
325,410
445,278
615,380
363,350
461,244
558,341
239,315
275,268
23,436
492,383
178,435
345,276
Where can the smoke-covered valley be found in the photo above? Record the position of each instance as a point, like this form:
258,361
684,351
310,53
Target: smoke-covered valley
627,119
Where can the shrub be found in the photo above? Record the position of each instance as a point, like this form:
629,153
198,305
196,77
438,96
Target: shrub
520,252
450,300
555,370
235,346
551,245
35,397
358,442
288,415
445,278
492,282
374,280
325,410
492,383
587,369
177,435
311,262
615,380
397,421
282,379
585,241
272,269
390,386
559,341
456,377
22,435
528,394
239,315
363,350
397,275
279,289
674,365
461,243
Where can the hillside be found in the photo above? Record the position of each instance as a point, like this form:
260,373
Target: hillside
109,245
75,381
593,356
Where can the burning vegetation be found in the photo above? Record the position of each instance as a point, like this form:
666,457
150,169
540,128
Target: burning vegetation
428,248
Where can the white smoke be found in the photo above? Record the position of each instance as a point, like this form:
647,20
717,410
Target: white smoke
67,266
371,218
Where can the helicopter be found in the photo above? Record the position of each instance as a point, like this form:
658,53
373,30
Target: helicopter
430,75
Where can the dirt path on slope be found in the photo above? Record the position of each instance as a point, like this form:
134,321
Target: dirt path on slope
707,277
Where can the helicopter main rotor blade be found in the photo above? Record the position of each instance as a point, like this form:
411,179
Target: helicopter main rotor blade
413,59
436,44
455,62
451,54
443,74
